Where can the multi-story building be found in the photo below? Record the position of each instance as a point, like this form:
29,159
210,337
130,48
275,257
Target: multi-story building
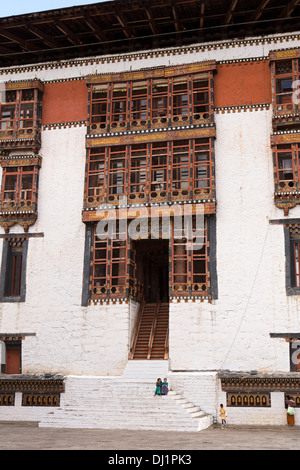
123,123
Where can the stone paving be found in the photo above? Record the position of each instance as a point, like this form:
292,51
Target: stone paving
28,436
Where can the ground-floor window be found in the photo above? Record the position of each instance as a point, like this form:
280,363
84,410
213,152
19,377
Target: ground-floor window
155,268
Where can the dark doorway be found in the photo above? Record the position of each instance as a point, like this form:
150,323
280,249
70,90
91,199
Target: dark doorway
152,269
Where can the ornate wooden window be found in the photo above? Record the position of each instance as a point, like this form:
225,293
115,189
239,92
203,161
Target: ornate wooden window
139,174
19,189
189,269
155,172
20,115
139,103
112,265
117,169
151,99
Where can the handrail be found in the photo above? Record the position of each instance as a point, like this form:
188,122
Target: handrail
137,329
166,354
153,328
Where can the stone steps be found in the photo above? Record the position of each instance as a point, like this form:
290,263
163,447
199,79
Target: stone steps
115,403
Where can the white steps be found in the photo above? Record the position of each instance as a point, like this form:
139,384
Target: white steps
146,370
122,403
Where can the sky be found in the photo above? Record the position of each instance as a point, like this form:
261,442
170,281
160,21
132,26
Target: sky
20,7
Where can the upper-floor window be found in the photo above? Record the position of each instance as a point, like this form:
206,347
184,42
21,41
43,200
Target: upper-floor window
285,87
20,114
19,190
157,171
130,101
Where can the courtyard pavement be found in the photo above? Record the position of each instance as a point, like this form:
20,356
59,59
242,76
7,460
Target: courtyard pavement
28,436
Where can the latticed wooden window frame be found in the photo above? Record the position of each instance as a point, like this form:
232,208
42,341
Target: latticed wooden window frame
22,129
176,96
113,268
285,71
177,170
19,203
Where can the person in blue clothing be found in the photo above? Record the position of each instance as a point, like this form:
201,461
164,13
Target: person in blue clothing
158,387
164,387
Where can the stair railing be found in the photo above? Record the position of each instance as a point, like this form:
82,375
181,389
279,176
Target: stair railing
152,333
137,329
166,355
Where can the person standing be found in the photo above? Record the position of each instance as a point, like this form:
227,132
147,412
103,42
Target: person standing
223,414
290,415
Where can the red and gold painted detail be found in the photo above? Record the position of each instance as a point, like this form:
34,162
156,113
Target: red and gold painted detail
248,399
24,84
20,160
288,137
260,384
153,73
131,213
41,399
26,220
285,54
137,137
29,143
29,384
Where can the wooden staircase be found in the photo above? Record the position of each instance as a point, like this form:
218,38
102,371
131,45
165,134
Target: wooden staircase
151,339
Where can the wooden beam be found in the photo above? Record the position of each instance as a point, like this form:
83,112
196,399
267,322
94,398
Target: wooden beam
202,11
95,27
72,37
22,42
259,11
48,40
176,20
231,11
126,29
288,10
151,21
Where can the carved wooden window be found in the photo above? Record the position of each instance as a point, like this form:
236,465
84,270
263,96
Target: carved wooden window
18,185
157,171
138,171
287,166
139,103
181,175
294,231
19,191
20,114
201,91
159,167
117,161
159,107
190,271
286,72
202,166
178,96
99,106
112,264
96,166
119,104
180,105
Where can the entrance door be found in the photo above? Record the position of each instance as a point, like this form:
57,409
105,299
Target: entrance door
13,358
152,269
